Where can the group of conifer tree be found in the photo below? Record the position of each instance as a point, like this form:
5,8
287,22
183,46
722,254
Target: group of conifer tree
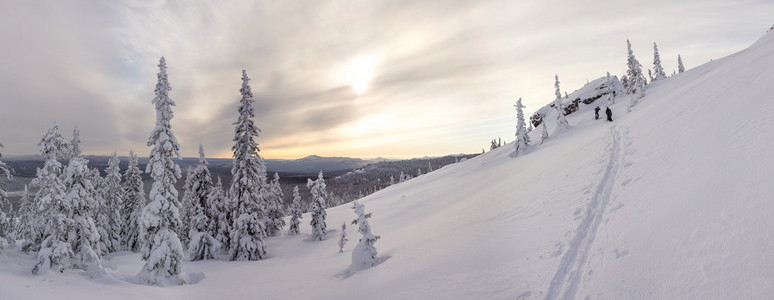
76,216
634,84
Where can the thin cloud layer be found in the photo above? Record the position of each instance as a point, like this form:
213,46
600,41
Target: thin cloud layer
443,74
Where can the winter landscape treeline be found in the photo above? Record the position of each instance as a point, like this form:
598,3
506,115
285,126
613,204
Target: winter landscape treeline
69,216
633,84
344,185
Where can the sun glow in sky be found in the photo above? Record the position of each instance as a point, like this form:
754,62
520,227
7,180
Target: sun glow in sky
412,78
359,73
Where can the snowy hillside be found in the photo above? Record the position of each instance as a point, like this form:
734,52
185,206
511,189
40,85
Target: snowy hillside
671,201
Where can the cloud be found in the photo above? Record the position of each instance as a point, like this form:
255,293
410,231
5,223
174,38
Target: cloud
445,73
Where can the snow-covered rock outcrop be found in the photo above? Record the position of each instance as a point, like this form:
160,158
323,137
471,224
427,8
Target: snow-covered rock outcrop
583,99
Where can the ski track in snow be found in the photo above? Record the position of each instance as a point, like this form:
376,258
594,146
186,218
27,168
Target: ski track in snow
566,280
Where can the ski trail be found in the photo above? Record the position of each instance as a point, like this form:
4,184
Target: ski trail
565,283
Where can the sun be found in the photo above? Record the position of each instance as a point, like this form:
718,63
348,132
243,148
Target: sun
359,73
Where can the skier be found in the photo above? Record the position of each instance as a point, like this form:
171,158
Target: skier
609,114
596,113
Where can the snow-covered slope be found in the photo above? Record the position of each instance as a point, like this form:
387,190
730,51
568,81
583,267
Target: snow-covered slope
671,201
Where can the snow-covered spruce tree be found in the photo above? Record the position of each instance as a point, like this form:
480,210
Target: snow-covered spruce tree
636,80
296,212
522,139
109,218
657,68
52,222
198,185
276,210
6,226
161,248
430,166
343,237
625,82
201,243
317,207
556,85
82,197
364,254
134,202
561,120
74,148
544,135
680,67
220,210
248,184
187,209
24,228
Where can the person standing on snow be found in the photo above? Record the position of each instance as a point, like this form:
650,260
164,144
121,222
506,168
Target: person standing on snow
609,114
596,113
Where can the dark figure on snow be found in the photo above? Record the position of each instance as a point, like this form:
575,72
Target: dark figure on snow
609,114
596,113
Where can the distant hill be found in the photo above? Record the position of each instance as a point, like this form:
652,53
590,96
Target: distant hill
24,166
314,164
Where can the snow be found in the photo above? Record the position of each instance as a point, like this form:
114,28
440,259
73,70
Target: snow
670,201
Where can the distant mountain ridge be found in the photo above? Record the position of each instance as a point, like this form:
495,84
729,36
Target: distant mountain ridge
305,165
314,163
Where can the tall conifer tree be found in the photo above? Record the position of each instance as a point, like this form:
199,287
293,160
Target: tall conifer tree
134,202
657,68
5,222
522,139
109,212
51,222
201,244
636,80
248,184
296,212
82,197
161,247
317,207
276,210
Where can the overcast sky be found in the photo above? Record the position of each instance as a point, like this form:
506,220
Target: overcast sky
332,78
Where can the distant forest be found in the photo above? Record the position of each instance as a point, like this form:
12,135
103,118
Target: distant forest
343,185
